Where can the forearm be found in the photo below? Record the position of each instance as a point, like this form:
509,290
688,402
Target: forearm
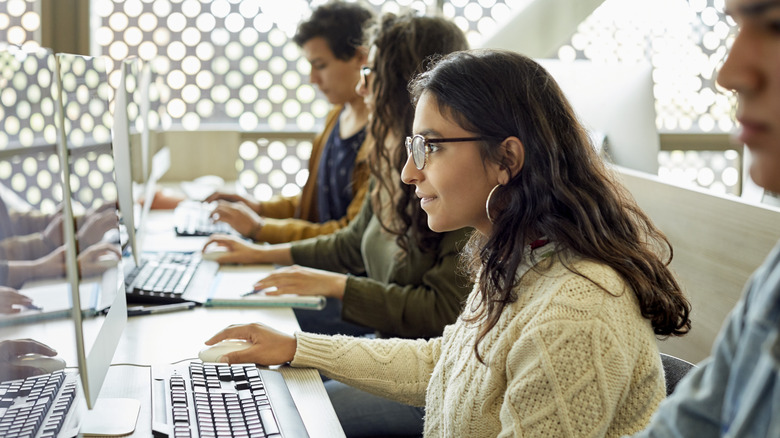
279,207
393,368
22,271
18,273
27,247
290,230
28,222
408,311
276,254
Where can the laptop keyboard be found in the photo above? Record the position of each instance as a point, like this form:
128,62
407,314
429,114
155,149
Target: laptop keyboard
221,400
36,406
162,277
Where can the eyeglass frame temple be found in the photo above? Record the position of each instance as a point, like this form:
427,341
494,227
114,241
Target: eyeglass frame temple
426,148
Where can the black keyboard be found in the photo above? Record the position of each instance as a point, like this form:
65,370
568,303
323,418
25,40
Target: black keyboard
162,277
221,400
38,406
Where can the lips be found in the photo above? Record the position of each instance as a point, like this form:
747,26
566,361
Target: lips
751,131
424,199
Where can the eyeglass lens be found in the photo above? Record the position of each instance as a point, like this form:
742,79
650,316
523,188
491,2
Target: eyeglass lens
418,151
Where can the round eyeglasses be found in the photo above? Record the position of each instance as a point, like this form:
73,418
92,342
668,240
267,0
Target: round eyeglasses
418,147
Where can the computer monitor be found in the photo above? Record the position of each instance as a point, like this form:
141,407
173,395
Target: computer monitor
129,121
29,196
62,168
84,147
537,28
615,101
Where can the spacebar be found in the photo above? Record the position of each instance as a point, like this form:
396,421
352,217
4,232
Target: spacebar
160,422
269,422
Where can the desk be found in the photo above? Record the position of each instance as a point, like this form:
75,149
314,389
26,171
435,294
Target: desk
165,338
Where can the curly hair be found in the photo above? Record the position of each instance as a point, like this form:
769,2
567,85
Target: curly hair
340,24
404,43
564,190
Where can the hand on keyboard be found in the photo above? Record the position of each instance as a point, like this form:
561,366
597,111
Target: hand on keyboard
232,197
301,280
236,250
239,216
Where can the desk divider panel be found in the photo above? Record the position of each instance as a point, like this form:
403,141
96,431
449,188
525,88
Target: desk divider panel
718,242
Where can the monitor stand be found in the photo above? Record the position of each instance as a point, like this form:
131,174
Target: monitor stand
111,417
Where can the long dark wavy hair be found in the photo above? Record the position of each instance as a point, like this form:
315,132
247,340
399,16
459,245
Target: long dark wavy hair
564,191
404,43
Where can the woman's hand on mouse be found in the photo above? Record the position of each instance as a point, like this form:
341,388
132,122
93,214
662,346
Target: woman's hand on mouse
270,347
12,349
304,281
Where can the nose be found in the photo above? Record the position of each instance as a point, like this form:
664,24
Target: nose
410,174
314,77
739,72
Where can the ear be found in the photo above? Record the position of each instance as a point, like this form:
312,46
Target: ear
514,158
361,55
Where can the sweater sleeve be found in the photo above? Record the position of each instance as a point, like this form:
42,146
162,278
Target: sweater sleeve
291,229
398,369
27,247
29,222
419,310
559,384
280,207
337,252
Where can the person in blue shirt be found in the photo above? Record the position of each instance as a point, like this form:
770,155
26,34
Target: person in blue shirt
736,391
331,40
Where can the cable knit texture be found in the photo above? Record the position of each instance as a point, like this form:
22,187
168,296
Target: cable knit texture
567,359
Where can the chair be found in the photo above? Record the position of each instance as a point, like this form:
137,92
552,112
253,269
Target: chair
674,370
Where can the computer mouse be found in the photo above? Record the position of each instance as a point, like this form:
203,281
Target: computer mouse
45,364
105,261
214,353
213,254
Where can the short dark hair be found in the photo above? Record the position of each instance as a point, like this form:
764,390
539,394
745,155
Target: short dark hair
340,24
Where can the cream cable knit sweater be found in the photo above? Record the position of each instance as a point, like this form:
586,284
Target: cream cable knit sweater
565,360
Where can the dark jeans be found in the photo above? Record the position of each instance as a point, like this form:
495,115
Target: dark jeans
364,415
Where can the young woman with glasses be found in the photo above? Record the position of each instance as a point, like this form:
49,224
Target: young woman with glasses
388,271
558,336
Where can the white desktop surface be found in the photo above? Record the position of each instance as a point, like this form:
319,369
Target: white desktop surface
177,336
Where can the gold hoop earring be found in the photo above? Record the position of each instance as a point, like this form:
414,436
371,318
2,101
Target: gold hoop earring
487,203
